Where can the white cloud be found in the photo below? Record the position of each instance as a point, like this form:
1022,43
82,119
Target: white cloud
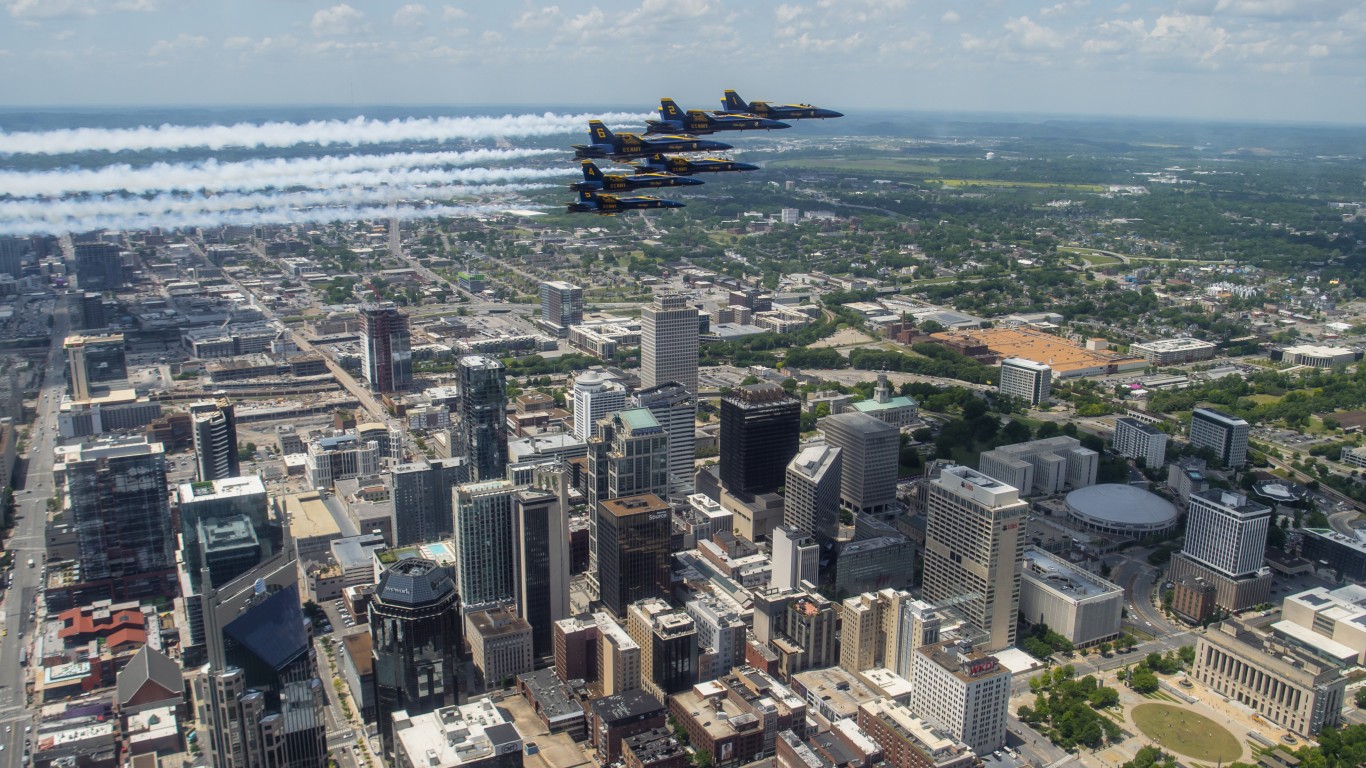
786,13
411,15
1030,35
546,17
340,19
47,9
950,17
269,44
1318,50
863,11
182,42
451,13
137,6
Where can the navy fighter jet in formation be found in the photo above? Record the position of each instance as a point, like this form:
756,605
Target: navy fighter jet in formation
594,180
682,166
676,131
604,143
732,104
698,122
608,205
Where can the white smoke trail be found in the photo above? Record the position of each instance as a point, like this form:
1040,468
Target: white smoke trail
321,132
214,176
23,217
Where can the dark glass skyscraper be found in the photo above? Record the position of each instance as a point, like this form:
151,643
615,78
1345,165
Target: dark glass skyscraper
482,431
760,428
633,550
98,267
388,352
416,634
121,516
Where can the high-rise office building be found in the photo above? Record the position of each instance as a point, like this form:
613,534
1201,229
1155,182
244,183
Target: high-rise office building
260,694
415,631
870,449
561,306
668,646
965,691
12,250
121,515
485,549
93,314
214,423
676,410
1226,531
812,493
541,520
238,501
595,398
1136,440
668,343
421,493
1042,466
482,429
1224,434
796,558
386,347
1026,379
632,550
629,456
92,360
871,629
98,267
720,636
974,543
760,428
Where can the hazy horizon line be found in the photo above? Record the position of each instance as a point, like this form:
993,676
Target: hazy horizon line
988,116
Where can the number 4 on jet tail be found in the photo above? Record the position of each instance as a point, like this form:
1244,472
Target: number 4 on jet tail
732,104
604,143
594,180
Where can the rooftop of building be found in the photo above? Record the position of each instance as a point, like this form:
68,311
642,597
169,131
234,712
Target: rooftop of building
360,647
634,506
1058,353
227,487
1174,345
497,622
1063,577
1353,542
1270,654
309,516
1217,415
626,705
1143,427
414,582
1020,362
453,736
901,720
1234,501
837,689
963,661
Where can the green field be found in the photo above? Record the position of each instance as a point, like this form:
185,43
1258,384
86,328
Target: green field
1091,257
1187,733
876,164
1018,184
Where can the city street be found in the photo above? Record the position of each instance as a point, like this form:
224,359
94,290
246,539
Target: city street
27,542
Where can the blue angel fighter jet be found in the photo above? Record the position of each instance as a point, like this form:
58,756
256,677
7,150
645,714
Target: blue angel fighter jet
697,122
608,205
604,143
732,104
682,166
594,180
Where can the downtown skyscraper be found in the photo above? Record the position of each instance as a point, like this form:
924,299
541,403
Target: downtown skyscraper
668,343
482,430
388,357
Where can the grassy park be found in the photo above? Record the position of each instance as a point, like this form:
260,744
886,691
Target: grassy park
1186,733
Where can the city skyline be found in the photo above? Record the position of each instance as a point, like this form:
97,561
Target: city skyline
1196,59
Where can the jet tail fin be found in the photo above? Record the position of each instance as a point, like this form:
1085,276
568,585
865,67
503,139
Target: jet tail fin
668,110
591,171
599,133
586,197
732,102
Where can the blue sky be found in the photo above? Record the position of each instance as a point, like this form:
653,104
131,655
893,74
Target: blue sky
1300,60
